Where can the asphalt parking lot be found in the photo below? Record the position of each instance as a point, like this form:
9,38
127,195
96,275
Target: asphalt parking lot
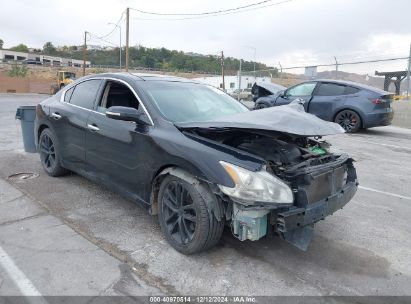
62,236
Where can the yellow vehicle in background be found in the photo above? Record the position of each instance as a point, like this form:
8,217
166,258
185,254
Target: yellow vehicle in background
63,78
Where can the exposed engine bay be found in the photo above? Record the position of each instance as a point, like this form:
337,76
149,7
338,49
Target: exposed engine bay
316,176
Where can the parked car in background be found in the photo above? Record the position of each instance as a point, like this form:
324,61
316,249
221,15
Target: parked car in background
351,105
31,61
245,94
261,89
197,158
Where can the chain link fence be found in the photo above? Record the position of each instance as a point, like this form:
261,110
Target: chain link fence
387,74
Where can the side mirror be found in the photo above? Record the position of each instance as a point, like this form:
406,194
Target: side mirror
128,114
282,94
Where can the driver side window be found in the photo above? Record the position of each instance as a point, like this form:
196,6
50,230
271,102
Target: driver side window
117,94
303,89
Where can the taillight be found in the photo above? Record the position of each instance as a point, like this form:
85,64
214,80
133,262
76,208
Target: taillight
377,101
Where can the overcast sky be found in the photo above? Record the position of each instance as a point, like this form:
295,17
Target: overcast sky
294,33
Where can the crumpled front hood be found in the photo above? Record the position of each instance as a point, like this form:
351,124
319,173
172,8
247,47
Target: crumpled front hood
291,119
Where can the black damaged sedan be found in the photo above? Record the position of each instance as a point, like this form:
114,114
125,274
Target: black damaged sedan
196,157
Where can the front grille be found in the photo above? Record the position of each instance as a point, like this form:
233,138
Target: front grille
317,178
325,184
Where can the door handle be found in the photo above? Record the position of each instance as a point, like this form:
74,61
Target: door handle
56,115
93,128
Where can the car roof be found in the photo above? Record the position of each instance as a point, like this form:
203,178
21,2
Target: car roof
142,77
354,84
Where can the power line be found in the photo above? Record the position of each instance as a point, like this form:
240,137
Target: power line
114,28
207,16
236,10
203,13
99,38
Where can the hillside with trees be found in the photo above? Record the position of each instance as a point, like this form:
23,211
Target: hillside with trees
150,58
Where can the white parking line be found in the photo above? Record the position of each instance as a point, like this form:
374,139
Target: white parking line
380,144
18,277
386,193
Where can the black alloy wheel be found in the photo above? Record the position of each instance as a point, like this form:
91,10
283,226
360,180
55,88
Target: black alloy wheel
47,152
179,212
349,120
49,155
186,222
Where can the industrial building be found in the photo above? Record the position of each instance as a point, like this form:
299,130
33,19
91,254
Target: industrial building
232,83
33,58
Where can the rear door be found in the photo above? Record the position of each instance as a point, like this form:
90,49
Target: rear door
327,97
300,91
69,121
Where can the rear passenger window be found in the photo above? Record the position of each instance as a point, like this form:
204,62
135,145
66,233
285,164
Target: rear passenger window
331,89
85,93
68,94
351,90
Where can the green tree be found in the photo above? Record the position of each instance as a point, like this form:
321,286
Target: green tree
18,70
1,44
20,48
49,48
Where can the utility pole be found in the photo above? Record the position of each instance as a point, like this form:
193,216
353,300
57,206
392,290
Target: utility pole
222,68
281,70
84,53
127,35
255,58
239,82
408,75
336,67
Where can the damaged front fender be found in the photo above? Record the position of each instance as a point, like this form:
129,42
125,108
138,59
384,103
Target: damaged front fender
214,206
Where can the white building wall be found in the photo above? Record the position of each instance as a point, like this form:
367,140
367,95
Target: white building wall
232,83
8,55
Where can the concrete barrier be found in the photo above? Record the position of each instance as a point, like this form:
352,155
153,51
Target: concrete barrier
402,113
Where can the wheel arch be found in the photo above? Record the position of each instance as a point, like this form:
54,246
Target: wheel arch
40,129
214,205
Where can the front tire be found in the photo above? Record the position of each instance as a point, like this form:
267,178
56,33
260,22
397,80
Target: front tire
50,154
349,120
260,106
184,218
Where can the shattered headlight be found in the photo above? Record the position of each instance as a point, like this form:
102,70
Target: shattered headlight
258,186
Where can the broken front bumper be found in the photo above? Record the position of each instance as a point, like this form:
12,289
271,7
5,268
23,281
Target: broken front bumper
295,225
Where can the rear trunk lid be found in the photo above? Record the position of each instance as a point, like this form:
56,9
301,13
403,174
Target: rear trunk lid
383,101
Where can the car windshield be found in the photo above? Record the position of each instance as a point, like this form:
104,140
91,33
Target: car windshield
191,102
70,75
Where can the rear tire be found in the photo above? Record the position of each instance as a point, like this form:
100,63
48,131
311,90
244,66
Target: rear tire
184,218
349,120
50,154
